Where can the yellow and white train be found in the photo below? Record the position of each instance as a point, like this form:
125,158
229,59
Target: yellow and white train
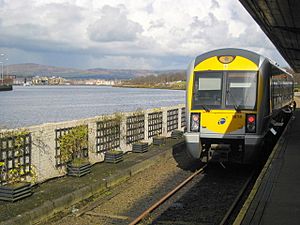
234,98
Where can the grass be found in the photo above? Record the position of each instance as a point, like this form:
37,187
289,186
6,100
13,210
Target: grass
173,86
79,161
114,152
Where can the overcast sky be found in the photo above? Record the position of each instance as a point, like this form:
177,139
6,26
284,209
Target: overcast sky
127,34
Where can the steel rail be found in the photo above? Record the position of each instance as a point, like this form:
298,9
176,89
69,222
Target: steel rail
236,200
166,197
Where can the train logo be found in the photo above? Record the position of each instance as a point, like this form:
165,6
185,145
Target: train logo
222,121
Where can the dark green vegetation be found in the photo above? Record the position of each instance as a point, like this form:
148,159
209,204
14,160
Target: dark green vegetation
14,143
73,143
167,80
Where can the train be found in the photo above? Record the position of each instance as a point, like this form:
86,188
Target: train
235,98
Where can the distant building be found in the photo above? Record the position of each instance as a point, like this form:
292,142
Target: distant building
22,80
98,82
43,80
8,79
105,82
56,81
18,81
37,80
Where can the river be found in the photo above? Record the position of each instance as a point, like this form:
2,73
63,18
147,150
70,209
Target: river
25,106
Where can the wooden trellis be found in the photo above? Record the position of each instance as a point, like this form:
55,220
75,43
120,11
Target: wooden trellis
154,124
15,154
172,119
135,128
183,118
59,133
108,135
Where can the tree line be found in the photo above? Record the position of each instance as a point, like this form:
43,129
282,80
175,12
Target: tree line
158,78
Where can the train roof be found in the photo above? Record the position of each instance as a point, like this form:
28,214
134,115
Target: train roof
254,57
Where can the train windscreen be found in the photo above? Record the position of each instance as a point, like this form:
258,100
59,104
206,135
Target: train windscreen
241,90
207,91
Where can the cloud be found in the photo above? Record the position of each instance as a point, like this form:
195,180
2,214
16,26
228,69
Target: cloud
47,27
139,34
211,31
214,4
157,24
126,62
114,26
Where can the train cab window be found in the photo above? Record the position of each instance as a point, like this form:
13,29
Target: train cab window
241,89
207,91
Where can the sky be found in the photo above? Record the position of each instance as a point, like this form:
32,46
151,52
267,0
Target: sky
125,34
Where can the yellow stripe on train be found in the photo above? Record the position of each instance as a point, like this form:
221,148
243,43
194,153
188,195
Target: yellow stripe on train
239,63
222,122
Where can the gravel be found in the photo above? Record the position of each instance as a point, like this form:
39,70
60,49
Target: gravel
209,198
128,200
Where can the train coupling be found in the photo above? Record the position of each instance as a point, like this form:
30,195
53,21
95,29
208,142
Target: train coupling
219,152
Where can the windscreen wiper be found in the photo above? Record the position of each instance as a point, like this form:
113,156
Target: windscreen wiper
205,108
236,106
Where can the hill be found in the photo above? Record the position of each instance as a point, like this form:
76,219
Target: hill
32,69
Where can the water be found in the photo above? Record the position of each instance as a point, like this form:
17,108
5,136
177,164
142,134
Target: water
33,105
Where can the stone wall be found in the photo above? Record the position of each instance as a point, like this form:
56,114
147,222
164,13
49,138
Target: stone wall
44,148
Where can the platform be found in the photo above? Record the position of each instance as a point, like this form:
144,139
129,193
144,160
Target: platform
275,198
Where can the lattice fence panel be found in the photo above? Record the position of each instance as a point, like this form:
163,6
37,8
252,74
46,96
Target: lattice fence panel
154,124
59,133
135,128
108,135
183,118
15,154
172,119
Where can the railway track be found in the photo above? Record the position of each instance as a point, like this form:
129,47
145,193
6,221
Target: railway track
236,204
206,202
216,198
211,195
208,196
166,197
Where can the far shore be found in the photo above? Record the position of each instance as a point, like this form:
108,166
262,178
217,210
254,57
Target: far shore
117,86
150,86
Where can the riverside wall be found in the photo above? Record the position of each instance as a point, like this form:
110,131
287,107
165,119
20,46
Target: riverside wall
44,153
6,87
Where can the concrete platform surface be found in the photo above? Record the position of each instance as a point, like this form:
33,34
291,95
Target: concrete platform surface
58,194
277,198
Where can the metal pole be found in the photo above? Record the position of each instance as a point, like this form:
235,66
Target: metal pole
2,55
6,67
2,73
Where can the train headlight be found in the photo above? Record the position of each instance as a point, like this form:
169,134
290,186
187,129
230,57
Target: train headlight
195,122
250,123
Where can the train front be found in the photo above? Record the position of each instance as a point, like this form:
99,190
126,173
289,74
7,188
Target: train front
222,104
